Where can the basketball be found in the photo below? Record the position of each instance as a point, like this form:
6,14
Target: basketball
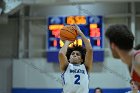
68,32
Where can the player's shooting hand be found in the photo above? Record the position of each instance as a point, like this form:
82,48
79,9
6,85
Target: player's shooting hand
78,29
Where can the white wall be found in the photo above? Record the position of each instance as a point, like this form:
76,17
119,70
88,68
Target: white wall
35,73
9,39
94,9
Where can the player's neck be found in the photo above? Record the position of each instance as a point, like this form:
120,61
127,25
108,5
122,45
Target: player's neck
126,57
76,63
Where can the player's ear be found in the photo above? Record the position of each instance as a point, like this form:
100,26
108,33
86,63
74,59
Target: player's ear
112,45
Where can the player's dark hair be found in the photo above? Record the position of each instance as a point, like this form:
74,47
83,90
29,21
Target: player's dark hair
98,88
121,36
137,47
81,49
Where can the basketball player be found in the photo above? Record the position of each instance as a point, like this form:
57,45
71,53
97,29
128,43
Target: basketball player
121,43
75,63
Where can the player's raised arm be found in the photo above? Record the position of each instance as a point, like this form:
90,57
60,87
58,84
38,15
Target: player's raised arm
62,56
89,52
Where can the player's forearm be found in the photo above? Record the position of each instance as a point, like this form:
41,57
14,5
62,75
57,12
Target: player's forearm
64,48
86,41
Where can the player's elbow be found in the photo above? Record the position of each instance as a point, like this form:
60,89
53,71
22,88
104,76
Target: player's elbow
61,53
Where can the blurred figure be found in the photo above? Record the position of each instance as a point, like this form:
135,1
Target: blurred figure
121,42
134,87
98,90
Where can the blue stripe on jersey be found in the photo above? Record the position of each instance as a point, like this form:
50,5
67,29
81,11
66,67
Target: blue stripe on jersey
63,79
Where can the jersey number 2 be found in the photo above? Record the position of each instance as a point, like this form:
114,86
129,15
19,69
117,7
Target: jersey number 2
77,81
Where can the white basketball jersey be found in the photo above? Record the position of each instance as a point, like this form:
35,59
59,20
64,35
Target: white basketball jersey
75,79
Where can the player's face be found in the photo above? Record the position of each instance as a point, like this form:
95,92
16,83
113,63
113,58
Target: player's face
75,57
98,91
134,85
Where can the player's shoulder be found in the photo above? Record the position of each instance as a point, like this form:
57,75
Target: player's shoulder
136,53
